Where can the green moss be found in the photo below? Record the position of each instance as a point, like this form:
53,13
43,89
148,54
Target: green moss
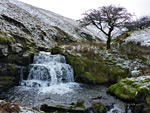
64,37
90,70
44,107
59,106
4,40
148,100
56,50
6,82
132,89
77,63
12,69
98,107
8,70
31,50
79,105
6,78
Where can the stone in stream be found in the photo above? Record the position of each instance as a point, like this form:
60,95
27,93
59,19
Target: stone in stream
79,107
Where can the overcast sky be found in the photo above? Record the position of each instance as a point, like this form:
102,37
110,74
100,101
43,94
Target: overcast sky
74,8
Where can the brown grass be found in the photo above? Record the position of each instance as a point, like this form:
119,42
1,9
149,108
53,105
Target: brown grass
86,49
7,107
97,44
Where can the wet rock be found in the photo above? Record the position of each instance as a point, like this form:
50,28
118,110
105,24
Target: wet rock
95,98
3,50
7,82
146,110
17,48
133,90
62,109
137,108
8,70
98,107
10,75
85,72
81,106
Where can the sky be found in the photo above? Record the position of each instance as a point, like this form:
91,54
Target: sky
75,8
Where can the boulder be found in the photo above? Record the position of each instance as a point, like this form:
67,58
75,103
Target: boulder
135,89
82,106
3,50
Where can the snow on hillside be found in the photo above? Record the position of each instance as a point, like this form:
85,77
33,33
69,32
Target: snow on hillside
142,37
70,26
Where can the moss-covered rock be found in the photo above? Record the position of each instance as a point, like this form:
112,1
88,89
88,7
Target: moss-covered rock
56,50
98,107
62,36
6,82
91,71
9,76
133,89
88,70
79,107
80,104
8,70
62,109
4,39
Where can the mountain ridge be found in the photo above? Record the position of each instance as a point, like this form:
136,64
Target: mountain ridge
32,16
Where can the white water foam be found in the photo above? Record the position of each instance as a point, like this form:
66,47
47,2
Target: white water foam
115,110
50,73
60,89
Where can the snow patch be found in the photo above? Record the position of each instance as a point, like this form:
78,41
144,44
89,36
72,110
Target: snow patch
69,26
141,37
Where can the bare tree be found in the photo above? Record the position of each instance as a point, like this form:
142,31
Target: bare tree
143,22
140,23
106,17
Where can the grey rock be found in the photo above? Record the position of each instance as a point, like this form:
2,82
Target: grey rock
4,50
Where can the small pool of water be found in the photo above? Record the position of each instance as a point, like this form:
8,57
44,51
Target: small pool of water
63,94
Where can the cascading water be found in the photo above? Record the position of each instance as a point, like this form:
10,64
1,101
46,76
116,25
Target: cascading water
50,81
48,70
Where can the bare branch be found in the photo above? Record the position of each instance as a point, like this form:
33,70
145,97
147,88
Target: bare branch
106,17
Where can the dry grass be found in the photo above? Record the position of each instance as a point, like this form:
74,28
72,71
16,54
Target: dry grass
97,44
87,49
7,107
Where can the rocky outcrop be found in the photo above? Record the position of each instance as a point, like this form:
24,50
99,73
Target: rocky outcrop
92,71
133,90
25,29
45,28
79,107
15,57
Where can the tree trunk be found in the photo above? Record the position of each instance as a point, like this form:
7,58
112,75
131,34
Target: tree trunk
108,42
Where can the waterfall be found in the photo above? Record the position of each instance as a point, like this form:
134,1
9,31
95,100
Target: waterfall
21,74
48,70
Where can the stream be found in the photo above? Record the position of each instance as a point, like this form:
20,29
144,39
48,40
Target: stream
50,81
63,94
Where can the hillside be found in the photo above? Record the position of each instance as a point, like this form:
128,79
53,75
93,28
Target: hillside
25,29
43,25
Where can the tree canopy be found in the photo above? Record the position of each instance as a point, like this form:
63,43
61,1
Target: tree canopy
106,17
